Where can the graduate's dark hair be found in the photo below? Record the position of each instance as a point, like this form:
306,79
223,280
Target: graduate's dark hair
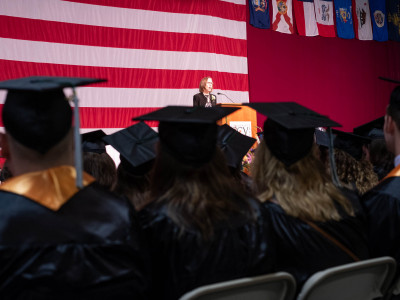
393,109
197,197
102,167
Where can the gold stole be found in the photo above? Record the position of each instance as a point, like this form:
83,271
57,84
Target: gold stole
51,188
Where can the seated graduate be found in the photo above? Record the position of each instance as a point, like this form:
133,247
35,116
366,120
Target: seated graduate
96,161
376,150
235,146
354,170
382,203
316,226
200,226
58,241
137,147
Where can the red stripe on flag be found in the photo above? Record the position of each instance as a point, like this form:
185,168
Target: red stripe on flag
109,117
126,78
49,31
214,8
113,117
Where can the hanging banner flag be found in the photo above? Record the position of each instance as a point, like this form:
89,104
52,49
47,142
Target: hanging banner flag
324,15
393,12
362,20
259,14
305,17
282,16
344,19
379,20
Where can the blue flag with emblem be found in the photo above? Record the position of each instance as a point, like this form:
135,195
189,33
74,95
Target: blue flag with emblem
259,14
379,20
344,19
393,12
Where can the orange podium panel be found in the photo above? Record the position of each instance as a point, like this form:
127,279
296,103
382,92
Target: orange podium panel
243,120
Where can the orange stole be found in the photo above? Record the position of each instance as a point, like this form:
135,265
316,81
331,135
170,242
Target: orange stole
394,173
51,188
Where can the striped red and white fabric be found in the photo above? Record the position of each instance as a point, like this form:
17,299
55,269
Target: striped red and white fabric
152,52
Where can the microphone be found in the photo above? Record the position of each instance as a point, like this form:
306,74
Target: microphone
226,97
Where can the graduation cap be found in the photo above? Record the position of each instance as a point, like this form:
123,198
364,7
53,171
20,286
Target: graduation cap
350,143
389,80
93,141
233,144
372,129
289,129
136,145
37,115
188,133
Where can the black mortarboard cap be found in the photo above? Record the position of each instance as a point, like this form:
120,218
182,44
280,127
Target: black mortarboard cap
350,143
93,141
289,129
37,114
389,80
136,145
189,133
372,129
233,144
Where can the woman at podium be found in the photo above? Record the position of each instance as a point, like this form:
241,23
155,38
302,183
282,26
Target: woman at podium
205,98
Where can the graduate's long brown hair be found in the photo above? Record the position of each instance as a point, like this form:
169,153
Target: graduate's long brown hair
303,190
197,197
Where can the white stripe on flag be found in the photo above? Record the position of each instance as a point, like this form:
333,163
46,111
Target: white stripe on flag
125,97
241,2
43,52
106,16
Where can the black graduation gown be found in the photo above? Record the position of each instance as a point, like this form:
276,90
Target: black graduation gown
88,249
302,251
183,260
382,206
201,100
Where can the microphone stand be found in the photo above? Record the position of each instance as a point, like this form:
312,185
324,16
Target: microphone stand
227,97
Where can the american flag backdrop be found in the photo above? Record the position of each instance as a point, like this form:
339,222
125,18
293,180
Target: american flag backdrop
153,52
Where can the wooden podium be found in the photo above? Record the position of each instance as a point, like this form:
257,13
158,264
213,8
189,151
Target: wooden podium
243,120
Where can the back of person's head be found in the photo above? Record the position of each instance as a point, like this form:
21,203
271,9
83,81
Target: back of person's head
381,159
303,189
134,182
287,169
38,119
190,175
393,108
137,147
102,167
358,174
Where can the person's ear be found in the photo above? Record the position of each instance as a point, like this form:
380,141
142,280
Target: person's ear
390,125
5,148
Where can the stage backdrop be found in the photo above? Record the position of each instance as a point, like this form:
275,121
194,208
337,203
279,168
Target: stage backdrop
332,76
153,53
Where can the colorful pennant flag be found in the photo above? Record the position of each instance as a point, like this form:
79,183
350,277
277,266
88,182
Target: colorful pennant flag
379,20
393,12
362,20
259,14
305,17
325,18
282,16
344,19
